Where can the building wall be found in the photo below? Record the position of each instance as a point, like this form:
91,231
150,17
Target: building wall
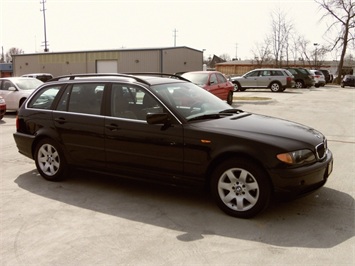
168,60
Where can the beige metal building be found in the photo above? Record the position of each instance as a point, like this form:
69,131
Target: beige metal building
166,60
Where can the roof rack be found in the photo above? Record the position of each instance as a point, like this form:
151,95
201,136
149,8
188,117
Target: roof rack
87,75
158,74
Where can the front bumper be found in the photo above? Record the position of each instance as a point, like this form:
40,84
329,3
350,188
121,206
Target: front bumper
302,180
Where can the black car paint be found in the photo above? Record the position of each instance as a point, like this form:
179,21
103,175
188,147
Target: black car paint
179,152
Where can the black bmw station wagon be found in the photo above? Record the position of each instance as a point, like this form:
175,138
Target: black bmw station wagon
164,128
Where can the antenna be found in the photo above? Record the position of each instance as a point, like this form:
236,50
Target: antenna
44,22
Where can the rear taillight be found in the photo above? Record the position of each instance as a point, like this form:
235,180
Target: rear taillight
17,123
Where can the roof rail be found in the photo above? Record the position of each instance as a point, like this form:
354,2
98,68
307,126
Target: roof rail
158,74
87,75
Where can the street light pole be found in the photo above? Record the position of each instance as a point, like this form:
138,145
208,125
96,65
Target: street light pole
315,54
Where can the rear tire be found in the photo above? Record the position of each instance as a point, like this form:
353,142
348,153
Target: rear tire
299,84
275,87
230,98
50,161
240,188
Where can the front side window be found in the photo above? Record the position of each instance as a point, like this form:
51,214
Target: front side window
252,74
132,102
44,98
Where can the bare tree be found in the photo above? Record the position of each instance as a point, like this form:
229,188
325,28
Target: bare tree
281,32
343,14
11,52
262,53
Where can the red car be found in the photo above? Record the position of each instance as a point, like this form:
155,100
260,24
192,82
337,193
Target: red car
2,107
214,82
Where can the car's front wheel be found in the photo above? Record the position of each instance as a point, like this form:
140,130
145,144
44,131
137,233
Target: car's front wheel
240,188
50,161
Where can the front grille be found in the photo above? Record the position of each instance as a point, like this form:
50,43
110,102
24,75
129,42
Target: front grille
321,150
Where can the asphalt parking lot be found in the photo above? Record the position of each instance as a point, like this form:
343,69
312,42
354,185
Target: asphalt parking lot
100,220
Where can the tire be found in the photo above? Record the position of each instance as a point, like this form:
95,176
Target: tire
299,84
50,161
1,117
275,87
240,188
230,98
237,87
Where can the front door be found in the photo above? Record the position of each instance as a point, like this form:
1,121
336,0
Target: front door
134,147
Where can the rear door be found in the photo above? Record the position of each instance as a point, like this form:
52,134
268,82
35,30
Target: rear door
80,125
264,79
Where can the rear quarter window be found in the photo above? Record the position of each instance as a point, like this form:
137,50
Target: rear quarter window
44,98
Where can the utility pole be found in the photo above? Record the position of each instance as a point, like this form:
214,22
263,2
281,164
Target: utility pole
236,51
45,27
175,31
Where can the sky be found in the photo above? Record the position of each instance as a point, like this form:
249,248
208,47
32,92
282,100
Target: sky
232,27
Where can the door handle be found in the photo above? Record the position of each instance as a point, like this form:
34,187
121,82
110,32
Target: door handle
60,120
112,127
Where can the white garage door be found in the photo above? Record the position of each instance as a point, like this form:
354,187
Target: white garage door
106,66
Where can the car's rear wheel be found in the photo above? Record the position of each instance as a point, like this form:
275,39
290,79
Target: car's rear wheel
240,188
230,97
50,161
275,87
299,84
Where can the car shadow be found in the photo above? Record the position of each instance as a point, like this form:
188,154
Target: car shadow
323,219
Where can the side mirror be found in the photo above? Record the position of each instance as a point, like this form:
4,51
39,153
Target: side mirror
156,119
12,89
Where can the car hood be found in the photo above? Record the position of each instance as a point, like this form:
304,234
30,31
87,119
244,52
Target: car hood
265,129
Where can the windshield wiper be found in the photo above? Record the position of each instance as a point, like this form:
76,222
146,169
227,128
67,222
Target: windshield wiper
231,111
202,117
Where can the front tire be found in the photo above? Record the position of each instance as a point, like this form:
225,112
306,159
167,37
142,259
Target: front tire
50,161
240,188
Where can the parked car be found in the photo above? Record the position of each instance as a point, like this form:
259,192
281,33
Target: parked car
166,129
348,80
319,79
2,107
15,90
214,82
41,76
303,77
277,80
327,75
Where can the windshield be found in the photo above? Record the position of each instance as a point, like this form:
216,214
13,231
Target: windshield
189,100
28,84
197,78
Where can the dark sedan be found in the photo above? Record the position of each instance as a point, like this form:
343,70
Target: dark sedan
169,130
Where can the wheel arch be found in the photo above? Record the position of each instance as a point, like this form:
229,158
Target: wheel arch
238,155
41,134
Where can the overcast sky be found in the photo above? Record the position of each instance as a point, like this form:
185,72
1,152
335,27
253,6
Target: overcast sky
230,27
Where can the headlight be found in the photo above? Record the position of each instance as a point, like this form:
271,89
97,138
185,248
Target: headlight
2,100
297,157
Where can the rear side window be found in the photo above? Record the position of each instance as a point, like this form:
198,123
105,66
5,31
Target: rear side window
44,98
82,98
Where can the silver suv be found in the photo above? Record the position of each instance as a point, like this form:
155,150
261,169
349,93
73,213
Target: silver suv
276,79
